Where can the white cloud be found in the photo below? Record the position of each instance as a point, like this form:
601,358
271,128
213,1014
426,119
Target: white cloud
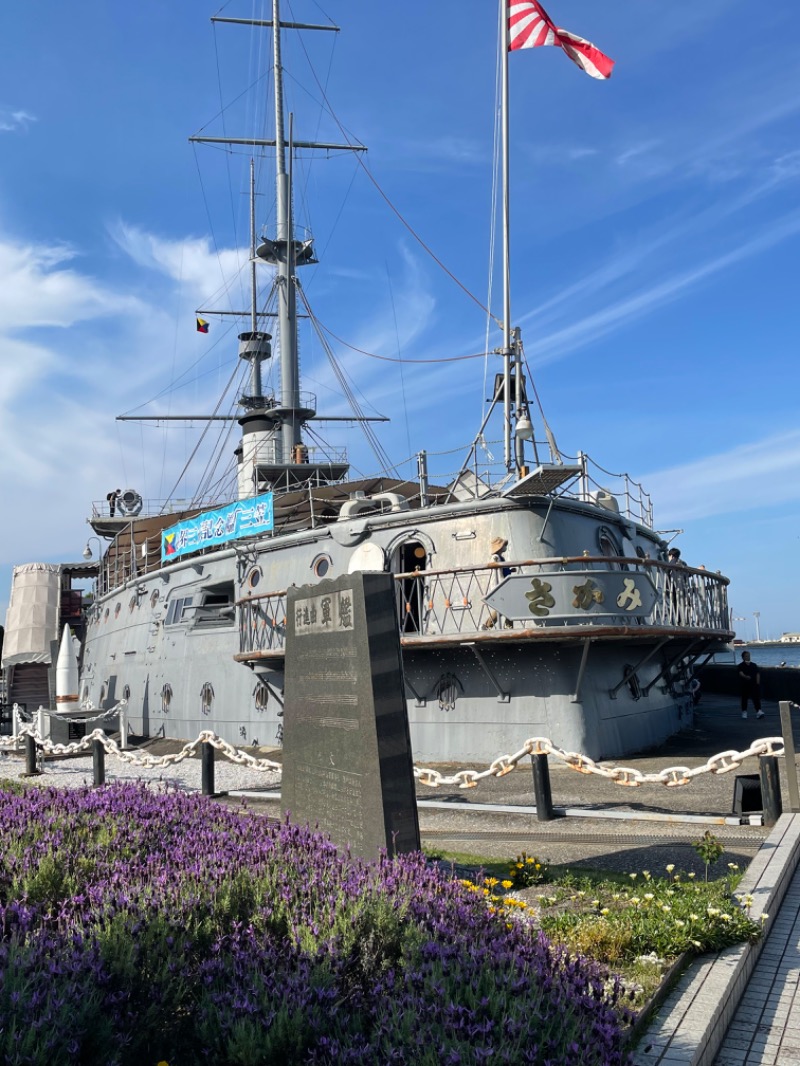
10,120
38,289
760,474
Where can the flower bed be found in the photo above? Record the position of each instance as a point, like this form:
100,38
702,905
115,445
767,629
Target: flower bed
141,926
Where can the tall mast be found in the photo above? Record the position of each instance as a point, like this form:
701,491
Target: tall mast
287,303
506,237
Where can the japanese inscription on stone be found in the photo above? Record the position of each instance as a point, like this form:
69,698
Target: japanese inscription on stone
347,763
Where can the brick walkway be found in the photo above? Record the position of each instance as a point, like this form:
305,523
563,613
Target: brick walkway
765,1030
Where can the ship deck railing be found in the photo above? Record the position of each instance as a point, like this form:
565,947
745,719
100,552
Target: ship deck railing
446,606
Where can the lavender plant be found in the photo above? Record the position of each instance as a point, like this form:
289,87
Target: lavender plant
139,925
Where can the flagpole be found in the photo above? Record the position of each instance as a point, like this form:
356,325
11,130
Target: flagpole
506,235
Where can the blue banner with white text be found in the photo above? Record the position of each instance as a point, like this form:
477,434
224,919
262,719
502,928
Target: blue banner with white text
245,518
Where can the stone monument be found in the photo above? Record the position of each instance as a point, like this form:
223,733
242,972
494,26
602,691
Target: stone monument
347,762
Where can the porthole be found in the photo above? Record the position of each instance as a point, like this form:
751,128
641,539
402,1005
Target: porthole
106,614
154,597
253,579
166,698
103,694
85,694
126,692
117,609
322,565
132,603
261,696
206,698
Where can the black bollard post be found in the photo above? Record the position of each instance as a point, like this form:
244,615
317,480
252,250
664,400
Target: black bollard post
31,769
207,765
770,788
98,762
541,788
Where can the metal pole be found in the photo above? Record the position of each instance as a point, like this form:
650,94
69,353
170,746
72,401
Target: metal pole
15,721
40,721
31,769
506,237
770,788
123,727
788,747
98,762
541,788
207,768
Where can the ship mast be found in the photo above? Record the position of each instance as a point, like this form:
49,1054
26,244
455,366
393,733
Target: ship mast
512,338
287,300
272,454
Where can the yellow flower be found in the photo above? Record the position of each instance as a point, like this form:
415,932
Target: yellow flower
648,895
531,862
692,876
519,865
507,884
632,877
604,910
671,867
490,881
764,917
733,866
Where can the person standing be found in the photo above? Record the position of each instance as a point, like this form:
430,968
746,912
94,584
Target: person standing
112,498
750,685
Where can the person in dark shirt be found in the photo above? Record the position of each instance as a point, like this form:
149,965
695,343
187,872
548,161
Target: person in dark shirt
750,685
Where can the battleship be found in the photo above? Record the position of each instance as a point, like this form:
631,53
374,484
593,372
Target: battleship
534,595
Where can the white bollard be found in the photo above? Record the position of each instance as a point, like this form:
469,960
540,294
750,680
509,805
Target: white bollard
40,721
15,721
123,726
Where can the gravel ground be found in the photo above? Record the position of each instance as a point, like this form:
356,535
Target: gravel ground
76,771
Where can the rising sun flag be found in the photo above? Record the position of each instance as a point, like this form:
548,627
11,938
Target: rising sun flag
529,26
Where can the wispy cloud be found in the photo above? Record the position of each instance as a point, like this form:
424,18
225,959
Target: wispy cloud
591,327
11,120
759,474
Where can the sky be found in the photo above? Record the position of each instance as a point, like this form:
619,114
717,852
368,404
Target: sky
655,251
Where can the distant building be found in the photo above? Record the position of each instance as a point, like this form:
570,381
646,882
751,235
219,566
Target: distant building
790,638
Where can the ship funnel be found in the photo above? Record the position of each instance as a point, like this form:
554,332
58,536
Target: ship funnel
67,674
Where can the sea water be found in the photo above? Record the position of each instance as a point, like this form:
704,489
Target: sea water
770,655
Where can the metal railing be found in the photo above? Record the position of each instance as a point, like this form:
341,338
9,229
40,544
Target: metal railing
452,602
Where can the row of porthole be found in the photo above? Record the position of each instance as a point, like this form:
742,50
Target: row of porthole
132,604
260,696
320,566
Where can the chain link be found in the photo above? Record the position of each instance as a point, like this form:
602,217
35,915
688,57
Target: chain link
671,776
149,762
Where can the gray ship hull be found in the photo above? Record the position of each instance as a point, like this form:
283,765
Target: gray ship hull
199,644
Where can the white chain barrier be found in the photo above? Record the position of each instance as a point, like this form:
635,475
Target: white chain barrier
27,716
149,762
671,776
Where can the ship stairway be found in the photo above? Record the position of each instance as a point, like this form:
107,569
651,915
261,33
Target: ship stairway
29,685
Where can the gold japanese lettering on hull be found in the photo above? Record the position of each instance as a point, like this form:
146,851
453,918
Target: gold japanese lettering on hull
587,594
539,600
